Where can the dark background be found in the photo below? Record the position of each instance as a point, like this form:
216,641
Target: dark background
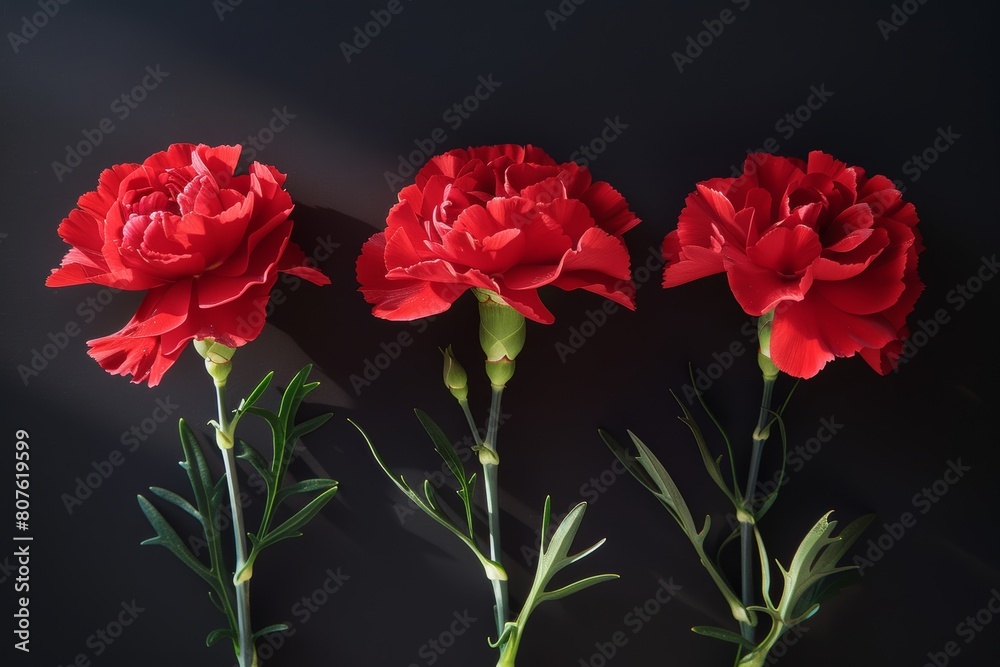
343,126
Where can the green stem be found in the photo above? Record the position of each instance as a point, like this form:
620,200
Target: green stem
760,436
508,653
246,654
479,443
758,657
493,506
472,422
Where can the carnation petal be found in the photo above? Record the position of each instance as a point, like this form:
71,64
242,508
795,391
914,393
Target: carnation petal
528,303
805,335
609,208
293,261
759,289
685,264
142,358
215,289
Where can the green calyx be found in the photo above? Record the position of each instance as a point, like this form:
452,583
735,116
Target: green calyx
767,365
218,359
501,333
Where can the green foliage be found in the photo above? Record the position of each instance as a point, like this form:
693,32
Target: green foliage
209,496
429,503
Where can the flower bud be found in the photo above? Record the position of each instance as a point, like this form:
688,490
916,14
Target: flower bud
501,334
767,365
217,359
455,377
487,456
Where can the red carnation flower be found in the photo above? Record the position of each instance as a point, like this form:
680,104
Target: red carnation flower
831,252
508,219
207,245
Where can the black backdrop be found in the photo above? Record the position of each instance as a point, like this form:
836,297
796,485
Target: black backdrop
884,81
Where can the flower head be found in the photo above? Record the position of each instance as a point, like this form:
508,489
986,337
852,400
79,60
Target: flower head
205,244
831,252
506,219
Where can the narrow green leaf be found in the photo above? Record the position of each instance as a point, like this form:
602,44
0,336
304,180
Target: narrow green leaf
293,396
197,469
222,633
277,627
586,552
847,537
248,453
711,464
494,571
290,528
277,430
167,537
307,427
305,486
177,500
668,493
509,630
430,495
766,505
765,569
724,635
563,538
255,395
554,558
443,446
578,586
546,522
718,426
214,597
629,461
